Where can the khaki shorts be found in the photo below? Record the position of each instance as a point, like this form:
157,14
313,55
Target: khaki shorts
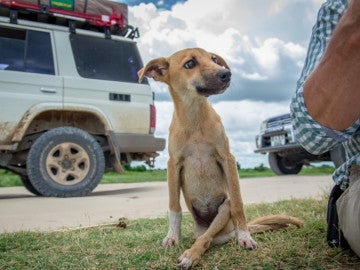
348,208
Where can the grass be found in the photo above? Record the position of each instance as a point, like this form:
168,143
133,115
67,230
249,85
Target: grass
138,246
134,177
8,179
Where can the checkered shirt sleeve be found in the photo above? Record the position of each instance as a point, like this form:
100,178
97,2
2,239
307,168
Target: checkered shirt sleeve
311,135
314,137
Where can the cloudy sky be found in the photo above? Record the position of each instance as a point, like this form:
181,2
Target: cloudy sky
263,41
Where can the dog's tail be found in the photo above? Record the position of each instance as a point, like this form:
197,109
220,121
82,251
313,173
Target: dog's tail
273,222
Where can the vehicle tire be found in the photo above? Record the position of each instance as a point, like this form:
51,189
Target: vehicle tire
27,184
65,162
281,165
338,156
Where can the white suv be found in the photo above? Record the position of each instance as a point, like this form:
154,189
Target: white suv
70,106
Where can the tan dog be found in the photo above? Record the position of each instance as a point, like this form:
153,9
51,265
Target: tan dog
200,163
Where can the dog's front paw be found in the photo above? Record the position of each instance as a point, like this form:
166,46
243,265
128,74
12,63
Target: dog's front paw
170,241
173,236
245,240
187,260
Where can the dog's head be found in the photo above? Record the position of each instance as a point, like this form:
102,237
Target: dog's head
190,71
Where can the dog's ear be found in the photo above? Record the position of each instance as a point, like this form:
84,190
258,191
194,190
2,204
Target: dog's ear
155,69
221,61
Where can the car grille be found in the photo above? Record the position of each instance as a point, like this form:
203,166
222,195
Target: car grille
279,123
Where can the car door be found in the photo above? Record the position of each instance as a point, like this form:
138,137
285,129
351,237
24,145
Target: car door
27,75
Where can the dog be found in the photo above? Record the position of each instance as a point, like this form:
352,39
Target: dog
200,162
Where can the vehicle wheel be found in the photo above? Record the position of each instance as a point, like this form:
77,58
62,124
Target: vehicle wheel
338,156
27,184
282,165
65,162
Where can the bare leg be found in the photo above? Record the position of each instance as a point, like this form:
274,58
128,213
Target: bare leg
332,91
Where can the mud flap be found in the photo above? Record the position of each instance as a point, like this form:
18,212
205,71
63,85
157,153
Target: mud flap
115,150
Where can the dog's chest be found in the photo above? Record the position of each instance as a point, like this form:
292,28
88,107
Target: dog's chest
199,155
203,181
201,166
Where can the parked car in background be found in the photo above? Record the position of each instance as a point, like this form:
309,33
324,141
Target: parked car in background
286,156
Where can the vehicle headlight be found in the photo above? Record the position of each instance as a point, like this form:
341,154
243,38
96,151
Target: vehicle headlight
257,142
263,125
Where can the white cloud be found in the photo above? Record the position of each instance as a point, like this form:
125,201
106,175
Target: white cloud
268,54
253,76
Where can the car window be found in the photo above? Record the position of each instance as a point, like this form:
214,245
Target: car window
26,50
39,56
12,48
106,59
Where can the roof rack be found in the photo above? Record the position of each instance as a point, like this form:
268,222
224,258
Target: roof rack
110,24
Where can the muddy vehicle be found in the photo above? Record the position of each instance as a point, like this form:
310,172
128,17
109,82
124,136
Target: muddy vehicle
71,106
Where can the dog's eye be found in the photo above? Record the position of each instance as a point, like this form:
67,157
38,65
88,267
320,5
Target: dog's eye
215,60
190,64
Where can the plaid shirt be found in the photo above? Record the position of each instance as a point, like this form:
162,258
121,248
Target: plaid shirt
315,138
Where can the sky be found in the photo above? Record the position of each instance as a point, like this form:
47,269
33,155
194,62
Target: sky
263,41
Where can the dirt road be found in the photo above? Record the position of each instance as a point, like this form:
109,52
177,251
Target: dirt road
20,210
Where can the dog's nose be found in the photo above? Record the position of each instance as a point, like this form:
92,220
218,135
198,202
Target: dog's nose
224,75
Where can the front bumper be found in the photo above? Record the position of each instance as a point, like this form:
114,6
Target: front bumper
270,149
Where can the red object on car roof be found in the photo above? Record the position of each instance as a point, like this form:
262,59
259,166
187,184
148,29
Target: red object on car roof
100,13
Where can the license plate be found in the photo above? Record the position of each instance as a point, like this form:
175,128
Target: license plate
277,140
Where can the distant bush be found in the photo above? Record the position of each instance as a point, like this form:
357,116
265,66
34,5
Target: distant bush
260,168
140,168
238,166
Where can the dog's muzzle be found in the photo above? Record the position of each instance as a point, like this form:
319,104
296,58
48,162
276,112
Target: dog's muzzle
215,84
224,75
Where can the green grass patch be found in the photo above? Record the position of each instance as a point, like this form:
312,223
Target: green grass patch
8,179
318,170
134,177
138,246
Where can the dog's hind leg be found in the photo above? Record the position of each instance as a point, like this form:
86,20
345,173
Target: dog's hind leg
192,256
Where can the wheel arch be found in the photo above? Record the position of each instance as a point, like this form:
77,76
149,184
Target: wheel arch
47,116
44,117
